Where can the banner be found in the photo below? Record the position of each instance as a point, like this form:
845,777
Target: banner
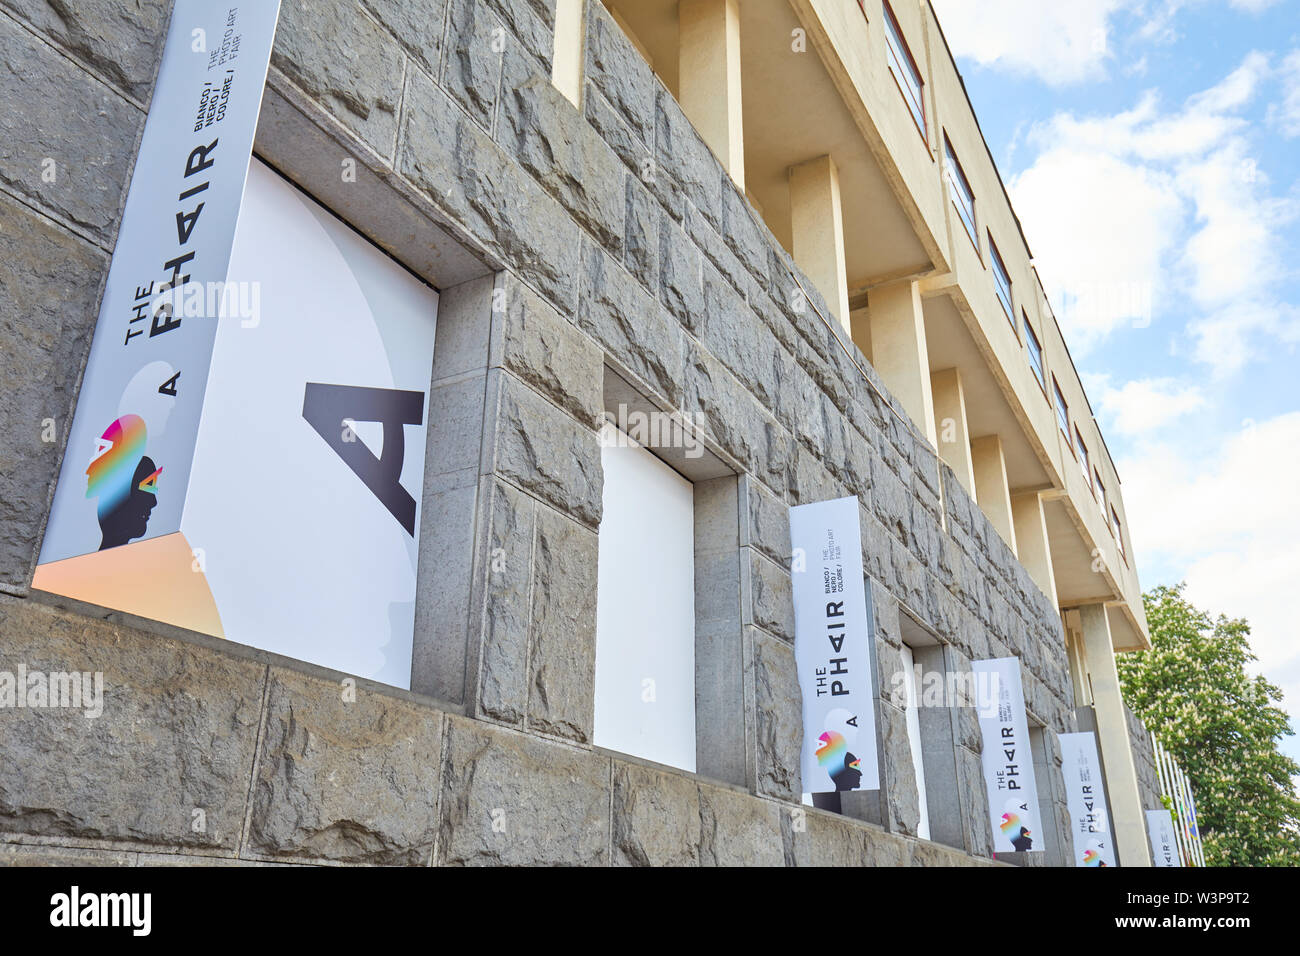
1008,760
832,648
149,360
1160,828
1086,798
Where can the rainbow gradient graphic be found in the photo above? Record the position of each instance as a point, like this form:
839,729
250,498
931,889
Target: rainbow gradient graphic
1091,858
120,448
832,750
1010,823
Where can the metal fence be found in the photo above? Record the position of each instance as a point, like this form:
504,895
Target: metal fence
1177,790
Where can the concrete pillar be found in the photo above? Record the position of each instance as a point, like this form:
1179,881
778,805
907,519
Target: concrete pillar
566,64
708,78
817,231
899,353
992,490
1128,822
950,425
1032,546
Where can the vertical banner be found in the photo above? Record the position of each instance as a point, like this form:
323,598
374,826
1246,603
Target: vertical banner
1008,760
1089,815
131,445
832,648
1160,828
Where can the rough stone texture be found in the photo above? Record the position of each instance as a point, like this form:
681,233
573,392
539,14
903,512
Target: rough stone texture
547,453
551,355
1144,761
91,147
472,71
656,818
780,721
338,779
445,154
903,800
772,596
357,79
120,43
416,24
176,735
737,830
503,677
553,142
562,669
51,290
549,803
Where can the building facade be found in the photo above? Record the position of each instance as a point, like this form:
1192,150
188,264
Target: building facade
775,220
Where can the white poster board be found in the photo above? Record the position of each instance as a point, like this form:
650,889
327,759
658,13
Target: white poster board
1160,830
1086,798
832,648
1008,759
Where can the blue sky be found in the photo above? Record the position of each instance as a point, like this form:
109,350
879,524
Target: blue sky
1152,150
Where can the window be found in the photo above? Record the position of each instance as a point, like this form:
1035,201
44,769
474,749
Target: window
914,739
1001,281
1035,355
1084,465
287,515
1062,413
1100,489
905,70
645,607
1116,530
963,197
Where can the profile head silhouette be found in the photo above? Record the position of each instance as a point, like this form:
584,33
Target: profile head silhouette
124,480
850,775
1022,841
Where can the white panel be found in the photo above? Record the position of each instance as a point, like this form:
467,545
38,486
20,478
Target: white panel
914,739
645,608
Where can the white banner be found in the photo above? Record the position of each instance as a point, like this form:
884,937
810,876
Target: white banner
142,394
1089,816
1160,828
1008,760
833,648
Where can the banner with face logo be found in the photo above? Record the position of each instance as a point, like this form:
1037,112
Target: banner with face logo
1164,846
833,648
252,471
1008,759
1086,797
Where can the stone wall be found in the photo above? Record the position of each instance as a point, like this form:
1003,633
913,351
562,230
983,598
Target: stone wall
1144,761
618,242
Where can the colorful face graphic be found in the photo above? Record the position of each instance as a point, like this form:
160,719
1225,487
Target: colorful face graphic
831,753
118,452
1010,823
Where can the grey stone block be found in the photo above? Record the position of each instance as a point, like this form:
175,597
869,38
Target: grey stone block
826,839
532,24
508,798
345,61
680,284
416,24
550,354
641,234
551,140
26,854
51,294
66,118
737,829
780,718
771,595
544,451
621,74
682,157
348,780
656,818
903,798
562,669
120,43
975,804
768,526
176,735
640,335
451,159
503,672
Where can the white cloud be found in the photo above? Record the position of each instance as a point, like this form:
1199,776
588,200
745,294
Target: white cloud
1058,42
1286,113
1154,205
1145,405
1226,518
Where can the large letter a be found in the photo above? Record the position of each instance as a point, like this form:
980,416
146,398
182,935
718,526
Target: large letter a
326,406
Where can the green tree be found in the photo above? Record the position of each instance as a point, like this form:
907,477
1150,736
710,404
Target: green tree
1222,725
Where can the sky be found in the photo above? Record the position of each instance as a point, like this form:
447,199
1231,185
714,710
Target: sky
1152,152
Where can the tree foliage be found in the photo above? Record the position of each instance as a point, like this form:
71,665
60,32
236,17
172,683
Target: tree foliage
1222,725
